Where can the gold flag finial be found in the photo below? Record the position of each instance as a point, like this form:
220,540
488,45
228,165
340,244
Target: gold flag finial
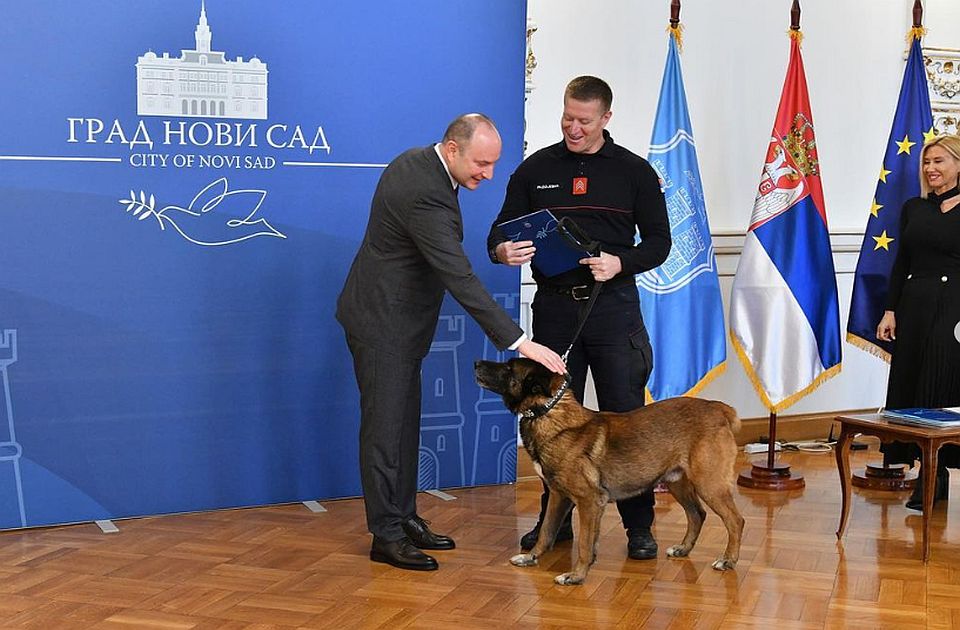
676,28
795,33
917,32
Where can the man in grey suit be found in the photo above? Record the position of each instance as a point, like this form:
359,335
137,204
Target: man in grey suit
411,255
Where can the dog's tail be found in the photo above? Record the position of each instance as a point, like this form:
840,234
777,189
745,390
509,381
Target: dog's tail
731,415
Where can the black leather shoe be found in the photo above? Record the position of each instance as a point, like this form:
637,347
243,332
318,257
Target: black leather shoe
420,535
640,544
528,540
942,489
401,554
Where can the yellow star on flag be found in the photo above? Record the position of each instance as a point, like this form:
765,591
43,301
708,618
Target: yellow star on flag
883,174
929,135
875,207
882,241
904,145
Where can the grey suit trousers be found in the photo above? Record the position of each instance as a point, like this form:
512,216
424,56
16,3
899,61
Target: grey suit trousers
389,435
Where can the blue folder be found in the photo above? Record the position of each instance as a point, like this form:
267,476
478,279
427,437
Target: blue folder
923,415
555,254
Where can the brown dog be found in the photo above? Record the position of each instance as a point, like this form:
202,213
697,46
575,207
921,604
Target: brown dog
590,458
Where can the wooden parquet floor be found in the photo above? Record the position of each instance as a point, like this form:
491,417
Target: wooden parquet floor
285,567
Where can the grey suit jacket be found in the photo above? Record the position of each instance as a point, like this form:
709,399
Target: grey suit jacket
411,253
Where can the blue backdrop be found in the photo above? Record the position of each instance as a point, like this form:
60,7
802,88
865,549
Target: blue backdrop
180,198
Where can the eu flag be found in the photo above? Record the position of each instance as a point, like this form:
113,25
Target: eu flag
899,181
680,299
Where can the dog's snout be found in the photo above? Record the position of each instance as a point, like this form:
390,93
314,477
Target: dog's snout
481,367
485,373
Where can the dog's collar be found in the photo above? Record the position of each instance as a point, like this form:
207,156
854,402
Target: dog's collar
540,410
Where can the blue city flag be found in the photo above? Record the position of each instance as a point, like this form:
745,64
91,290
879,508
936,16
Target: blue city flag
680,299
899,180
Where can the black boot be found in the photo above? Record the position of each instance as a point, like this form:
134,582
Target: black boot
641,544
942,489
528,540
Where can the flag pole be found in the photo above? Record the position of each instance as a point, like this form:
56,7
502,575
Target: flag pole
686,358
917,32
772,440
676,28
883,476
773,475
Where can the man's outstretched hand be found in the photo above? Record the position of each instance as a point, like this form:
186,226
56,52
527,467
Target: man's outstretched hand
543,355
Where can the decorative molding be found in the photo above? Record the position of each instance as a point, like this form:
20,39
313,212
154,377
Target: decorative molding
943,78
529,66
531,59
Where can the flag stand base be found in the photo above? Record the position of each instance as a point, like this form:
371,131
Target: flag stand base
771,475
766,477
879,477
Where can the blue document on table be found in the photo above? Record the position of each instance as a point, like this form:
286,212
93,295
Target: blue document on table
924,416
555,254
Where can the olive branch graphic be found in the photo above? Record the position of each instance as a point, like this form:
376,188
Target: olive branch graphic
142,208
197,224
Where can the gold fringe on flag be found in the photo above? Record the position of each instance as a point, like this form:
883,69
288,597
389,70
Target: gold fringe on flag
677,33
693,391
708,378
868,346
917,32
755,380
796,35
820,380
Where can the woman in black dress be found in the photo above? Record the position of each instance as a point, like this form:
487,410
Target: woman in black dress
923,305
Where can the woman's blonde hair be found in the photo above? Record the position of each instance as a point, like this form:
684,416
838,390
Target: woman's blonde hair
949,143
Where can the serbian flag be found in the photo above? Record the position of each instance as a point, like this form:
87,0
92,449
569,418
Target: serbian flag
784,314
898,181
680,299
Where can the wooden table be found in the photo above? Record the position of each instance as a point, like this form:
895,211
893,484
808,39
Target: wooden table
929,441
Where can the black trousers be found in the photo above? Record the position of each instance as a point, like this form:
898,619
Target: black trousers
389,436
615,347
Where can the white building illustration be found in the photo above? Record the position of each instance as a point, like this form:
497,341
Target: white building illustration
201,82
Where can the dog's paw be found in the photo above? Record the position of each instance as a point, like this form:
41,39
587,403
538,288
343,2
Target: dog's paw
678,551
722,564
524,560
568,579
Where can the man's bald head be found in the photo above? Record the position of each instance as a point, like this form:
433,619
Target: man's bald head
463,127
470,147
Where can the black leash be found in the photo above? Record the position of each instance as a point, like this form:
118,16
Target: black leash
578,239
584,314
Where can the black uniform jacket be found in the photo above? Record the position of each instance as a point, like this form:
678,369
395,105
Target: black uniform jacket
611,194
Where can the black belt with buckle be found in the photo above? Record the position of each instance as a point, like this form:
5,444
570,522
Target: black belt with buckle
579,293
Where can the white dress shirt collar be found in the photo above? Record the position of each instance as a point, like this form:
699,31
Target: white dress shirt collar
453,182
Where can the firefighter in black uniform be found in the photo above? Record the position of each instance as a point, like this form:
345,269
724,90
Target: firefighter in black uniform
610,193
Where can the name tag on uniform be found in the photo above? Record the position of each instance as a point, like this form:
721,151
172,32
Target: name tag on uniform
579,185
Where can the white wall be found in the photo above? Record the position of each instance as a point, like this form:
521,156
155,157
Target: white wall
943,23
734,61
